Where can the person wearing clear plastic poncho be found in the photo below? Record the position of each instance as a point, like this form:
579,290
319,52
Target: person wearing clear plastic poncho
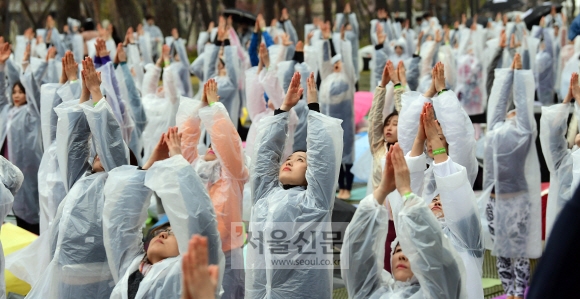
545,61
153,269
20,133
129,91
349,20
221,62
470,85
298,190
337,98
181,62
563,163
78,265
264,91
384,116
455,129
10,181
223,172
393,50
423,262
160,103
286,70
51,188
453,203
511,200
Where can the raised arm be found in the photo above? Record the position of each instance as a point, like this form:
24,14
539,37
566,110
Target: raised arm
460,207
324,149
523,95
499,96
185,198
368,227
107,137
134,96
4,56
456,125
422,239
224,135
376,135
124,213
553,127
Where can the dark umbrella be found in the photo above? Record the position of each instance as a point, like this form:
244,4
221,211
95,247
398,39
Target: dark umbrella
480,20
534,17
240,16
502,5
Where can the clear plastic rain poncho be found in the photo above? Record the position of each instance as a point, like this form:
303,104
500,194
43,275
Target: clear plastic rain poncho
178,48
286,70
112,93
544,72
436,269
129,91
308,207
511,167
160,105
336,95
51,188
136,64
10,181
461,223
20,128
79,267
563,163
470,86
352,36
225,177
258,85
188,208
457,129
228,84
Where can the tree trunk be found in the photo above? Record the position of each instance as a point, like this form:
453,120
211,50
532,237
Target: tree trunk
125,19
202,6
327,4
409,12
229,3
380,4
165,17
66,9
269,11
4,23
339,5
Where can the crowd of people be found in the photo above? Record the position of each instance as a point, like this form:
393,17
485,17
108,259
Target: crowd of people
97,133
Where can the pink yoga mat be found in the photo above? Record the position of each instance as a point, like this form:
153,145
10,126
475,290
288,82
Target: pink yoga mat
505,296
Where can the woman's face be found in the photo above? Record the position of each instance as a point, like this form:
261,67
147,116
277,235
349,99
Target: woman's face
210,155
18,96
399,50
443,140
97,165
162,246
436,207
390,130
400,265
293,171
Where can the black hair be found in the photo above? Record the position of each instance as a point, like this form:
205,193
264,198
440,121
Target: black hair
89,25
299,151
149,17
